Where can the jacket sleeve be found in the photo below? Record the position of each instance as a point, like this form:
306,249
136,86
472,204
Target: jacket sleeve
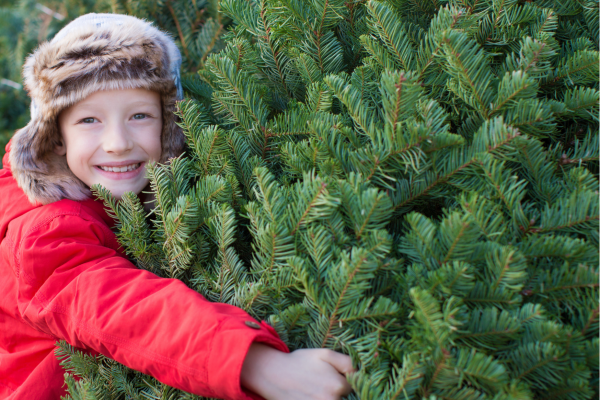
74,287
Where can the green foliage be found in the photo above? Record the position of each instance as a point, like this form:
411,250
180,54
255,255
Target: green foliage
196,26
412,183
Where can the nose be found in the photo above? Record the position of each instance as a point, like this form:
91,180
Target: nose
116,139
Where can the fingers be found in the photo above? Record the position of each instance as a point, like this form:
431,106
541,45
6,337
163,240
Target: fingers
344,388
341,362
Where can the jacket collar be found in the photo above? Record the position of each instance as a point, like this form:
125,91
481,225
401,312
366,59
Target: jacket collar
97,207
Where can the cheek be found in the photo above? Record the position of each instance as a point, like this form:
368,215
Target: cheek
153,143
79,151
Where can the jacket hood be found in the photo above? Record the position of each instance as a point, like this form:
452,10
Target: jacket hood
92,53
14,203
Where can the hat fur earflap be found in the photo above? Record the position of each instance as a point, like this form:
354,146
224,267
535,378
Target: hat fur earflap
92,53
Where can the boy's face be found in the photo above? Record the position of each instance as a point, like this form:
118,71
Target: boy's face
110,136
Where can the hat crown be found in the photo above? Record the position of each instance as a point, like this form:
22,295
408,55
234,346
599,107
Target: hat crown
106,22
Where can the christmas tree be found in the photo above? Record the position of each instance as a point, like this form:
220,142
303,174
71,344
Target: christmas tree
413,183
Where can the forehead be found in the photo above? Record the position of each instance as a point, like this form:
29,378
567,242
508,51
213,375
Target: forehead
118,99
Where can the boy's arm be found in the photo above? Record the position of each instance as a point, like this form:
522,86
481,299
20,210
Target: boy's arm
74,287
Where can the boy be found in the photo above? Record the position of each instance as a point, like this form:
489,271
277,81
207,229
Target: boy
103,93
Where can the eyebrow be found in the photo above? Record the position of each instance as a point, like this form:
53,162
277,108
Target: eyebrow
142,103
92,108
84,105
135,103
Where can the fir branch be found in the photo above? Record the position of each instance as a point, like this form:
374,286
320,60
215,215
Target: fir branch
413,372
309,207
245,94
333,314
439,366
592,61
268,38
563,287
429,313
210,46
506,138
545,355
392,33
467,63
493,334
593,317
436,24
518,85
181,37
440,180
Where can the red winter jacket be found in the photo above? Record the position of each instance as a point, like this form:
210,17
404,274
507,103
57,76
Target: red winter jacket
63,276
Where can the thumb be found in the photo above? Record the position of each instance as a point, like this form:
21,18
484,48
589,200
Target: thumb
341,362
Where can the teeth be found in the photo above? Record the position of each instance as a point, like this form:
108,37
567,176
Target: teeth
124,168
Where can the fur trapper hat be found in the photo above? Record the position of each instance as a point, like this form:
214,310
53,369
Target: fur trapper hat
94,52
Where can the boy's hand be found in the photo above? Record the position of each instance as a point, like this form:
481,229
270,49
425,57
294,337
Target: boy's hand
314,374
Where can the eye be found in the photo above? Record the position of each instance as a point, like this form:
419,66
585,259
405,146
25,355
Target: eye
89,120
140,116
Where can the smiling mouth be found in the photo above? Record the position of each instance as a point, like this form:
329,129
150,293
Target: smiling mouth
124,168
